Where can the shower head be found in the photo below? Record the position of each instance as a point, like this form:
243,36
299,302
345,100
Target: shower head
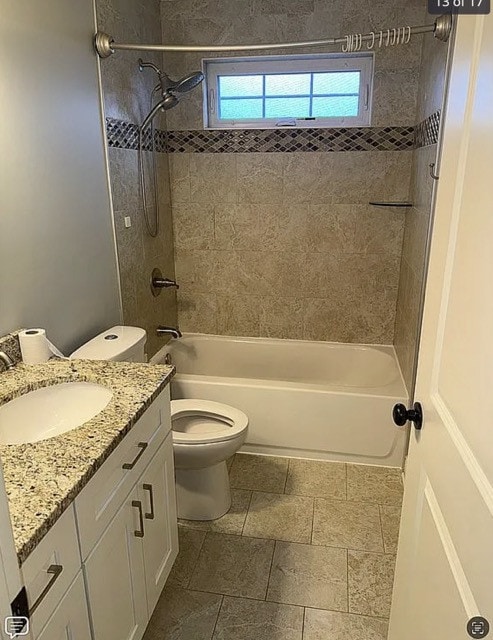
187,83
168,88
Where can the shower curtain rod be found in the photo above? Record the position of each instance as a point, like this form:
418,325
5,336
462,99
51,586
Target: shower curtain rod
105,45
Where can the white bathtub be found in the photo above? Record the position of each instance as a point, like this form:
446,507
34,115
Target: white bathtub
305,399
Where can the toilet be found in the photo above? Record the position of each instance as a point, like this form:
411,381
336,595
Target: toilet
205,434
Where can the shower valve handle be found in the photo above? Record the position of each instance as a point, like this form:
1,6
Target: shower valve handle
164,283
158,282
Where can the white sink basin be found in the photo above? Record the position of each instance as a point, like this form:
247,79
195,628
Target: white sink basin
50,411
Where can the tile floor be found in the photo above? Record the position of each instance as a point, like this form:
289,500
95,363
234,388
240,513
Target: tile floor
305,553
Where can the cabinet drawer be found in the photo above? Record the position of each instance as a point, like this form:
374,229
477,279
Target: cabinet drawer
50,569
104,494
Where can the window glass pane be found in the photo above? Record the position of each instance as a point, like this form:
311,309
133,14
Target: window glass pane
240,109
287,107
287,84
335,107
342,82
239,86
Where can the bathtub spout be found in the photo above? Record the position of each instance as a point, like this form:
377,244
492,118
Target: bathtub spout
168,331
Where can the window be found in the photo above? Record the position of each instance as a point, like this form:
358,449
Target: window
329,90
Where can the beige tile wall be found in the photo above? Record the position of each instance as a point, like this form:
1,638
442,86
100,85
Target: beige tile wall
126,93
416,233
285,245
257,21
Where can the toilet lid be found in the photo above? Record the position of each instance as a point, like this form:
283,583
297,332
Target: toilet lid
203,421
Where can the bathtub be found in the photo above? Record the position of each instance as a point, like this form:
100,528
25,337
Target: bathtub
316,400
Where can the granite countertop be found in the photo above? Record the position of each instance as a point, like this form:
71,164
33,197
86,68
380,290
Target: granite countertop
43,478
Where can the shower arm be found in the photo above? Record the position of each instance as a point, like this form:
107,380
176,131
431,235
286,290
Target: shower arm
106,46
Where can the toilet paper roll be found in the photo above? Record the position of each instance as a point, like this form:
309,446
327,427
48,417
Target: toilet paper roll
35,346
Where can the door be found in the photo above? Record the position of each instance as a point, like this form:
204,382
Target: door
444,571
157,493
115,576
70,620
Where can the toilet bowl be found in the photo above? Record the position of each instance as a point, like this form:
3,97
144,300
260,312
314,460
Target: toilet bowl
205,435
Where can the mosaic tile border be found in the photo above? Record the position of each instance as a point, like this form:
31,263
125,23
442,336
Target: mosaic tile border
124,135
427,131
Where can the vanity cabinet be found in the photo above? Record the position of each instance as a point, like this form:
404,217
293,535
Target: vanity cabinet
99,572
126,517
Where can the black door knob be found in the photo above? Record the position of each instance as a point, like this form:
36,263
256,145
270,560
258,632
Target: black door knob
401,415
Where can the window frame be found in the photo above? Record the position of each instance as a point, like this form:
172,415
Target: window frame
307,63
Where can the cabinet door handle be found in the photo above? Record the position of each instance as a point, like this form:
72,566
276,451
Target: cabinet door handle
131,465
54,570
137,533
148,487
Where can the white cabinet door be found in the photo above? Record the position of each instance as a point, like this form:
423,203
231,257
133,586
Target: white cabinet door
115,576
70,620
156,489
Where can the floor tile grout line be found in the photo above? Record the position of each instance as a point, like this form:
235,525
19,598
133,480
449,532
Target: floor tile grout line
217,617
301,606
287,604
308,544
347,579
323,497
287,476
270,569
313,521
381,528
197,560
346,468
246,515
349,613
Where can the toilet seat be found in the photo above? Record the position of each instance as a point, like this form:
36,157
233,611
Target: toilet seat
208,422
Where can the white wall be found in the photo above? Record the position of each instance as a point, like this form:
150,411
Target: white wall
58,264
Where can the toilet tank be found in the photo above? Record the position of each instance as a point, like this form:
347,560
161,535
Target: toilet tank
118,343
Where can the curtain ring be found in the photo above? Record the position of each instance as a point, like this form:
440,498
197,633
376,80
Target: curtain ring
398,41
408,35
380,43
387,41
370,46
394,35
345,46
360,41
